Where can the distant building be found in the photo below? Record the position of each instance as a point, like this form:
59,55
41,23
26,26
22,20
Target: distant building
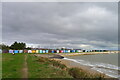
16,51
11,51
0,50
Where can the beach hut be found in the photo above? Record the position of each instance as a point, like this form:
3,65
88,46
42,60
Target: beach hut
84,50
29,51
66,51
52,51
5,51
37,51
0,50
60,51
78,50
25,51
63,51
40,51
20,51
33,51
73,50
57,51
16,51
43,51
47,51
11,51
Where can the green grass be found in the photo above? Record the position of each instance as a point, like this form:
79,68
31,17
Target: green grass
39,67
0,65
12,65
42,68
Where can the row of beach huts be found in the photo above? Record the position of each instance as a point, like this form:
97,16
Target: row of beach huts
50,51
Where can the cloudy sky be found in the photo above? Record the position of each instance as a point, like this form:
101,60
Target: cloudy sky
85,25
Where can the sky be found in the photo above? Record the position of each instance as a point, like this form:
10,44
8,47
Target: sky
84,25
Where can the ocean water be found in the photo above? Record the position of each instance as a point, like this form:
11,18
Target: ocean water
103,63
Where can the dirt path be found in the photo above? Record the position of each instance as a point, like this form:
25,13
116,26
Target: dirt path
25,69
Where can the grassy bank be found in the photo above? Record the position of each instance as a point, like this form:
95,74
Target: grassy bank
40,67
0,65
73,72
12,65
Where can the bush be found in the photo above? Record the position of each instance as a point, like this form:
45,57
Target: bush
80,73
41,59
77,73
58,64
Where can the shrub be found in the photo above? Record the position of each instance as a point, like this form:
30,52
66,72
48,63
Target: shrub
80,73
77,73
41,59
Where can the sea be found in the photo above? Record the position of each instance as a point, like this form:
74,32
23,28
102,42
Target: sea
103,63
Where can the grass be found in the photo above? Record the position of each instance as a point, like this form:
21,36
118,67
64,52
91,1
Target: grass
0,65
80,73
12,65
43,68
39,67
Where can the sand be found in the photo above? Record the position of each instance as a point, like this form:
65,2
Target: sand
71,64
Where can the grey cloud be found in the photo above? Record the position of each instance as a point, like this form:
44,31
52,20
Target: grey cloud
71,24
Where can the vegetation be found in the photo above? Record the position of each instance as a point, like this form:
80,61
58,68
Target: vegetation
40,67
18,46
12,65
15,46
80,73
43,68
3,46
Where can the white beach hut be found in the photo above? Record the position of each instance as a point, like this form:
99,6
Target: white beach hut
29,51
57,51
0,50
68,51
20,51
43,51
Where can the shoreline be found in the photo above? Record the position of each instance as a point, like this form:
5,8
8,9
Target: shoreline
83,53
72,64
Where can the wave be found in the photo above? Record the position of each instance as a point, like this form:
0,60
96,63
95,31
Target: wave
108,69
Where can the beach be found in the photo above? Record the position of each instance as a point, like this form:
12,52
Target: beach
72,64
86,53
